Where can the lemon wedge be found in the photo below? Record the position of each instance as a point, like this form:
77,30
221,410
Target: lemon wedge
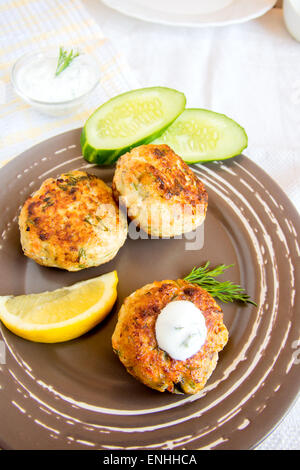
63,314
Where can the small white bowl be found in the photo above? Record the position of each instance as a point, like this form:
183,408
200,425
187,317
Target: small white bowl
291,14
52,108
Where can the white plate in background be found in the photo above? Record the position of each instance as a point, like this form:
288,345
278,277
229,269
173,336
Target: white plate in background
192,12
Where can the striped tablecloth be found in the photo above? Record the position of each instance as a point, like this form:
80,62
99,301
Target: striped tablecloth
28,25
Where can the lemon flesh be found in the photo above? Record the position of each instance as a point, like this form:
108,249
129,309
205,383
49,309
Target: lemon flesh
63,314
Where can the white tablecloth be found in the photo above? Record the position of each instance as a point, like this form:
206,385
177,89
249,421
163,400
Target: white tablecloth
250,72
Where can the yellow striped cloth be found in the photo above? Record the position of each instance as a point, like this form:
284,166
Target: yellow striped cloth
28,25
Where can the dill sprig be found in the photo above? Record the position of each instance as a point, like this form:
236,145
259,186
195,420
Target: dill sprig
225,291
64,59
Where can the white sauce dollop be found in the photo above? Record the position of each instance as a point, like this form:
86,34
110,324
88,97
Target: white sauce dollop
37,79
180,329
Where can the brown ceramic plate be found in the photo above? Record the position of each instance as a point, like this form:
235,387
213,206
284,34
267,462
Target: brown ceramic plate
77,395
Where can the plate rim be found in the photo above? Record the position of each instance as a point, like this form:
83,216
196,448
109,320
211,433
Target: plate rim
121,8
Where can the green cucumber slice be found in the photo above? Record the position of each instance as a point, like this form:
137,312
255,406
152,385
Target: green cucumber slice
199,135
128,120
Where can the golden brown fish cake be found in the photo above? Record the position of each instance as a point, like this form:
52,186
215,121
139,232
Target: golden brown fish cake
162,194
72,222
135,342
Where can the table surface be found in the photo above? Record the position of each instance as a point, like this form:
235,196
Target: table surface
194,60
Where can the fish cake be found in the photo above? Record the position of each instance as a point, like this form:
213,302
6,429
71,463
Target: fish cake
162,194
72,222
134,339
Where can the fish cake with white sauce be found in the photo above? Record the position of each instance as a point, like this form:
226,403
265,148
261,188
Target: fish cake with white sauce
72,222
135,342
162,194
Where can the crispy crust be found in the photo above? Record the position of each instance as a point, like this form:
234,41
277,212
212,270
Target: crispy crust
135,343
162,194
72,222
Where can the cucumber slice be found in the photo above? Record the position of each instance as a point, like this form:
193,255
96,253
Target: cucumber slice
128,120
199,135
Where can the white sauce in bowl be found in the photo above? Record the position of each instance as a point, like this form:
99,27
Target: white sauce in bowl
36,79
180,329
